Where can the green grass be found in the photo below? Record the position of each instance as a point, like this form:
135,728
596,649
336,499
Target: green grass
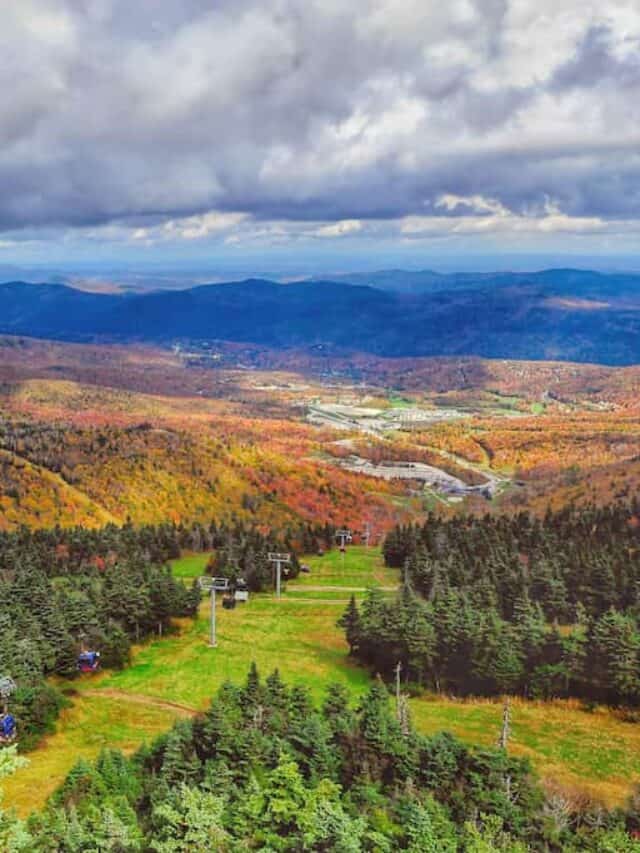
297,637
359,567
82,731
178,675
190,566
294,634
330,595
582,750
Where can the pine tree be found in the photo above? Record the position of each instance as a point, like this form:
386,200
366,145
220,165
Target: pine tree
350,621
180,762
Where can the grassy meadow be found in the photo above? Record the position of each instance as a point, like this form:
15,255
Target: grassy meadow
176,676
190,566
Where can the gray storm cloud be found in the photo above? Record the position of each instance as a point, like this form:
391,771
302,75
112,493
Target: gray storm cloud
316,111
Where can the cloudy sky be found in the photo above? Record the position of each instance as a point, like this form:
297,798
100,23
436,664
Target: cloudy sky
187,130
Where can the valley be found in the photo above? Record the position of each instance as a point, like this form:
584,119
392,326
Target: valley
290,435
261,440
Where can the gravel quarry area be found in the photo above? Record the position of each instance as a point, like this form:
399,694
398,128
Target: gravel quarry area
431,476
377,422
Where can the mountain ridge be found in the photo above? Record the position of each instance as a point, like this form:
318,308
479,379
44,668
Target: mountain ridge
423,281
563,315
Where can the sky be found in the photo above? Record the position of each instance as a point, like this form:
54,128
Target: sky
320,134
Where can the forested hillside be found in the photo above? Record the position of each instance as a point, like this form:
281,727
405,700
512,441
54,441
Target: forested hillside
264,769
543,607
149,472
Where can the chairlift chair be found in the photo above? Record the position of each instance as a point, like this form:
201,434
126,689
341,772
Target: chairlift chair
241,591
8,729
228,601
88,661
344,536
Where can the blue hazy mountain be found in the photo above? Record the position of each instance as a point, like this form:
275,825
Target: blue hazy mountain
554,314
571,281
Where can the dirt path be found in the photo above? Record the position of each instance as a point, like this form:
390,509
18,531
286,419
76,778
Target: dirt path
142,699
310,588
301,600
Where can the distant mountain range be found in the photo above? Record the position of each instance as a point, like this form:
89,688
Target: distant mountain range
555,314
587,282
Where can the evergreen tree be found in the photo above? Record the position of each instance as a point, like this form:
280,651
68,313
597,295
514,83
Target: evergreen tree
350,621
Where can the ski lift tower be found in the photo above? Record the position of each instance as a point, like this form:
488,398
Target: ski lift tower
213,585
7,687
280,560
344,536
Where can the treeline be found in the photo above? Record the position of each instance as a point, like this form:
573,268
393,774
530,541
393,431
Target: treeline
588,557
72,550
244,553
491,605
265,769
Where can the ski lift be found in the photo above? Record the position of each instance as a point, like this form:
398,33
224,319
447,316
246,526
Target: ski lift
8,728
344,536
7,687
229,601
88,661
242,590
